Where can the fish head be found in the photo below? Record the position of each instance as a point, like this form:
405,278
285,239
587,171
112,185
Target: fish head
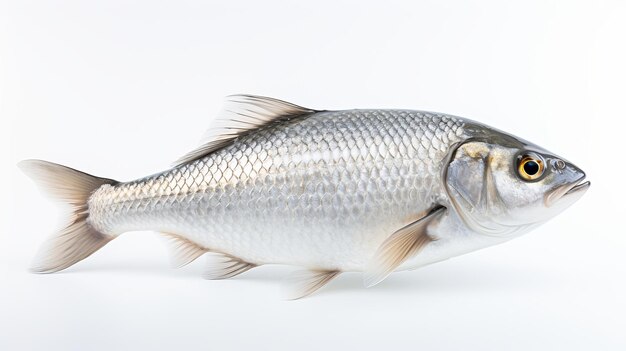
503,186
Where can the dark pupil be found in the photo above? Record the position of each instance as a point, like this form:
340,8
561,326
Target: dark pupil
531,167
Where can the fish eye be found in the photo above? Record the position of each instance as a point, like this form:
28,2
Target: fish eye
530,167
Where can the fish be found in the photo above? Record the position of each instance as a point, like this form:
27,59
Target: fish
373,191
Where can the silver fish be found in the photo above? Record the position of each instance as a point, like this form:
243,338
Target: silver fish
373,191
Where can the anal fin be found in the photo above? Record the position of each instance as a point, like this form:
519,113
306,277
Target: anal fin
399,246
303,283
184,251
223,266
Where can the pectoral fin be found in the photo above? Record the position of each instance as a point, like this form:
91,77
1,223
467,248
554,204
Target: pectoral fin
402,244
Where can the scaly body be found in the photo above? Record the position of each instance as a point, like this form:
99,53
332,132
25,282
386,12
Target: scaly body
323,191
318,189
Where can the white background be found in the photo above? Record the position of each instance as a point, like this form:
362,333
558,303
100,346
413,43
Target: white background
121,88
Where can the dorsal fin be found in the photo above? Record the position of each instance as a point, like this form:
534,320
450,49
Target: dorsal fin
241,115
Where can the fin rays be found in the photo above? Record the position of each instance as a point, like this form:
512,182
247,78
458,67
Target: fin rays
219,265
303,283
241,115
78,239
184,251
398,247
222,266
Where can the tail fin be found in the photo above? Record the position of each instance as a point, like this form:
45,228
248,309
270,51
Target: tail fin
78,239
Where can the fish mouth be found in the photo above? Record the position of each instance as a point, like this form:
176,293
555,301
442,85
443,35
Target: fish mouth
579,186
567,190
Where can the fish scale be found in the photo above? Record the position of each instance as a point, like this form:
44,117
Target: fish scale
296,193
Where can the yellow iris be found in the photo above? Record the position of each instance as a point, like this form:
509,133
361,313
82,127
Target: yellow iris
530,168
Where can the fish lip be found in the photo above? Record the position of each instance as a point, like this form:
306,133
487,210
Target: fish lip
578,186
566,190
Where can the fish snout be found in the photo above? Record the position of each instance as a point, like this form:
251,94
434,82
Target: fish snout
572,182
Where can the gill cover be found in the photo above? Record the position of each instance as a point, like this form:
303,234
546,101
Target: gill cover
470,183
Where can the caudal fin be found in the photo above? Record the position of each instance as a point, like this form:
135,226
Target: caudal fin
78,239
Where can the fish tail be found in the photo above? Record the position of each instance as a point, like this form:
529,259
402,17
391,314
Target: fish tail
78,239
